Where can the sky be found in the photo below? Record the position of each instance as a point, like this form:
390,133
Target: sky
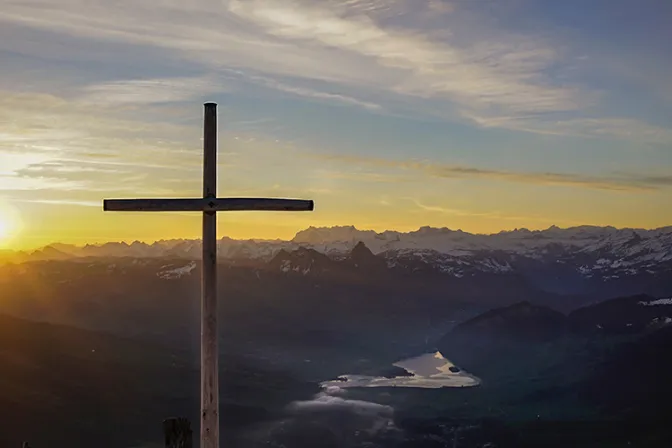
480,115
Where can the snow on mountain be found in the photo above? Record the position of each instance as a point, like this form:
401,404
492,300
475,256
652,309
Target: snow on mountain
657,302
456,264
624,315
589,252
316,236
252,249
655,244
592,253
175,273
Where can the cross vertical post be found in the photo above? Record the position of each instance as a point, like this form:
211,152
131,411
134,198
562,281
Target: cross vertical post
209,362
209,205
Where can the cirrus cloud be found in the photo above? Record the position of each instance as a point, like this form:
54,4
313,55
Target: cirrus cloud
426,57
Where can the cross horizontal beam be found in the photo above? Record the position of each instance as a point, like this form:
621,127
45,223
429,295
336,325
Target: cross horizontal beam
207,205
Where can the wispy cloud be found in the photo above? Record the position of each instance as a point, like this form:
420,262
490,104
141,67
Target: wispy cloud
32,117
436,56
445,210
320,191
470,213
150,91
362,176
612,128
625,182
500,74
64,202
334,97
301,91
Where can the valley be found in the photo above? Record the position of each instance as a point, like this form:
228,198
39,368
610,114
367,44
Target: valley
540,358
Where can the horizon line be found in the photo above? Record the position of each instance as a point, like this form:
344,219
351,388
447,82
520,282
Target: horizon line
353,227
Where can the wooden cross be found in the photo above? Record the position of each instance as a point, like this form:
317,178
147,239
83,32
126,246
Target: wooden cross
209,204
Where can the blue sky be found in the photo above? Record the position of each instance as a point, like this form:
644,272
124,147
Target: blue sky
480,115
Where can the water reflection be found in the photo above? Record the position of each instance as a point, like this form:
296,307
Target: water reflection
429,371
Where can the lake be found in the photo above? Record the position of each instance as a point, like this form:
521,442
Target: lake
428,371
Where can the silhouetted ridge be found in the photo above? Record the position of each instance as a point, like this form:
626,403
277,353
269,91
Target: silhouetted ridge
67,387
502,336
301,260
49,253
632,314
520,321
362,257
361,251
648,365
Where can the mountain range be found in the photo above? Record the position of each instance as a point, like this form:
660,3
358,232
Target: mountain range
633,244
578,265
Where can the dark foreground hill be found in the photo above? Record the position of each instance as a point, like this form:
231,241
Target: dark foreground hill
524,330
635,379
597,377
503,336
519,322
623,315
62,386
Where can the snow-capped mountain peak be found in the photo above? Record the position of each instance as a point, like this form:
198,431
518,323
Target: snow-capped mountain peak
584,253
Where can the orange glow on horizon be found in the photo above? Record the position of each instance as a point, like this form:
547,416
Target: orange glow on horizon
483,214
10,225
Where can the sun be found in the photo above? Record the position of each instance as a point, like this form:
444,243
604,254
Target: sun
5,230
9,224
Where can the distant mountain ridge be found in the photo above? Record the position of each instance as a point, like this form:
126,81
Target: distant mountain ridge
521,321
523,331
530,323
602,261
624,315
341,239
